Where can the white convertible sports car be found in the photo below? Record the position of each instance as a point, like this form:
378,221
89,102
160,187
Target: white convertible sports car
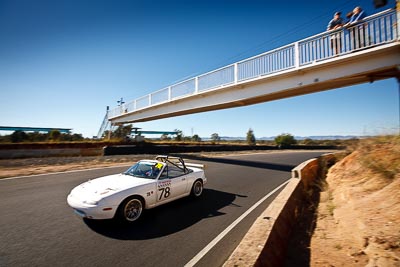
145,185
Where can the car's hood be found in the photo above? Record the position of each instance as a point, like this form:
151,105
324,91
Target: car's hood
106,185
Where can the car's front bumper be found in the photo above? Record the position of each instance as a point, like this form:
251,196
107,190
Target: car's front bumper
91,211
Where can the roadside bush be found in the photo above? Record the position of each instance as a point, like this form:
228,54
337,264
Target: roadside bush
285,140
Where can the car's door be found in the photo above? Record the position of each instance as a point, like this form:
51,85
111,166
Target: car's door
171,184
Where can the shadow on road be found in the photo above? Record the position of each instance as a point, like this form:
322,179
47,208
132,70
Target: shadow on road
246,163
166,219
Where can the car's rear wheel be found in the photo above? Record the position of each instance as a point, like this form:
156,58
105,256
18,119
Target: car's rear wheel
131,209
197,188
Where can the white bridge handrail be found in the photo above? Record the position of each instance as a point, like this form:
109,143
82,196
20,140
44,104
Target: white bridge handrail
375,30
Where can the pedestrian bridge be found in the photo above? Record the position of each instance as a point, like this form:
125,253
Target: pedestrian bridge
365,52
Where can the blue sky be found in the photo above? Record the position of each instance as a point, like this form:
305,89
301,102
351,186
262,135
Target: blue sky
63,61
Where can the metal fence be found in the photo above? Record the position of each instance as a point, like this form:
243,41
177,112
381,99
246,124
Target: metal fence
374,30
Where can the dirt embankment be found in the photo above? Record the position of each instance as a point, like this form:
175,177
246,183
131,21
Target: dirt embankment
358,217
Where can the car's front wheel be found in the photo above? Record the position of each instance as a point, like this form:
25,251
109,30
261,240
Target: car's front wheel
131,209
197,188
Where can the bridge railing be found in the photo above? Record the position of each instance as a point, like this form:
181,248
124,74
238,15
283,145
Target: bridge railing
375,30
267,63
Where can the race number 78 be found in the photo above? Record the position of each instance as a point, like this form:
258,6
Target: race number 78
165,192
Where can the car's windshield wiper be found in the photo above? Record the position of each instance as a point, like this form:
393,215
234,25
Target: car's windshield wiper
130,174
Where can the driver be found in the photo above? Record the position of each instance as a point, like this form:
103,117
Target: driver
154,171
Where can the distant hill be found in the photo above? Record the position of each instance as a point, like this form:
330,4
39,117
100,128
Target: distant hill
271,138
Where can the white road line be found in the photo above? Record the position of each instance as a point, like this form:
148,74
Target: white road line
207,248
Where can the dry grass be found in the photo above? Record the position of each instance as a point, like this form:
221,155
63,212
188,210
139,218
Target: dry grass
381,155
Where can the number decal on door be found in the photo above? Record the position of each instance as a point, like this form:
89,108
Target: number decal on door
165,192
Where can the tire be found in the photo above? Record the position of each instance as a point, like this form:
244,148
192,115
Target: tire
131,209
197,189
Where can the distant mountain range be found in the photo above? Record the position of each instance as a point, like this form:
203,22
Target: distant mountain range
271,138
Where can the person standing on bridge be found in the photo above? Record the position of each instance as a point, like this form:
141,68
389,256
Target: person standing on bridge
358,14
358,33
336,38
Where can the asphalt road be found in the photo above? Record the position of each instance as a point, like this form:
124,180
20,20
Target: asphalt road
38,228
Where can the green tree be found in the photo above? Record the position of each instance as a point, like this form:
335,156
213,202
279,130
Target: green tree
196,138
71,137
18,136
215,137
250,137
38,137
285,140
54,135
179,135
77,137
122,131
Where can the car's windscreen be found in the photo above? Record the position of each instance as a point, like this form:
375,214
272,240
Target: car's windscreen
149,170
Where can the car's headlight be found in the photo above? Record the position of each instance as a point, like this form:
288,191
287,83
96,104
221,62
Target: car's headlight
91,202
